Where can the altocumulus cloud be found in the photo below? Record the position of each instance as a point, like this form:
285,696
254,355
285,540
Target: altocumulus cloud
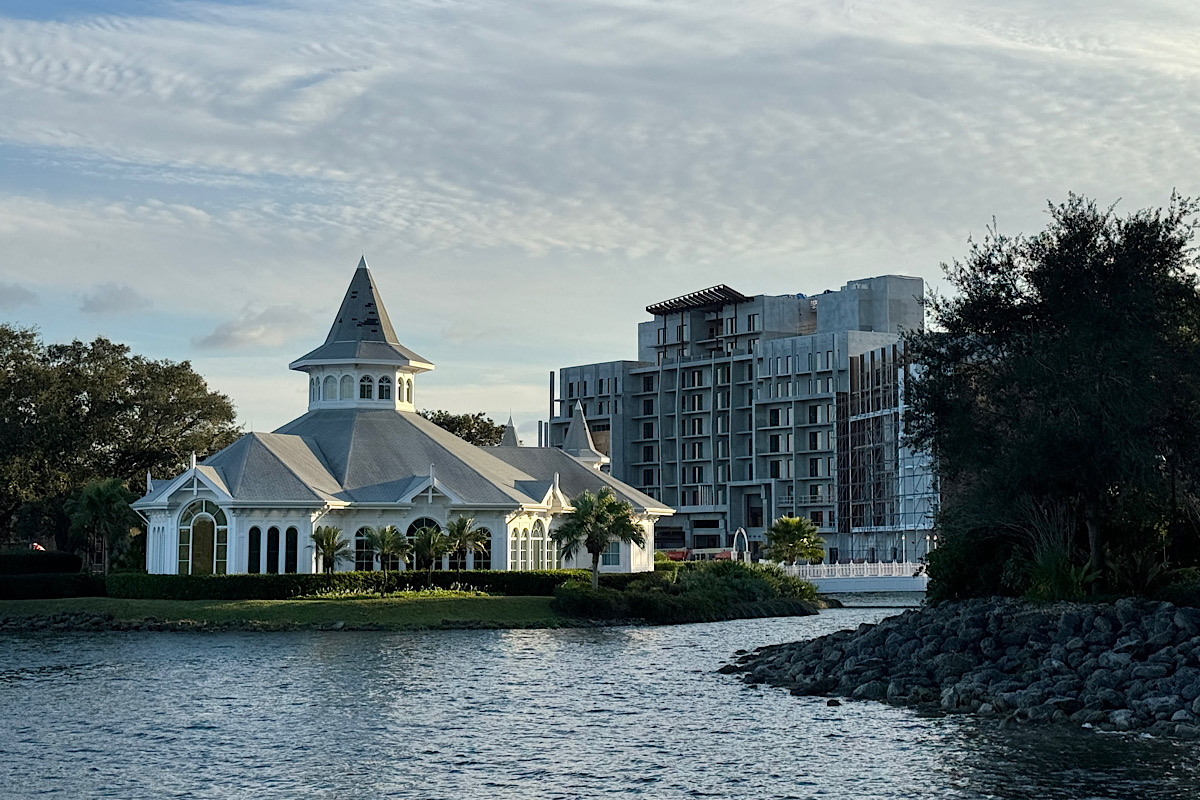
111,298
268,328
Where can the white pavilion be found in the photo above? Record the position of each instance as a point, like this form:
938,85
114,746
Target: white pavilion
363,457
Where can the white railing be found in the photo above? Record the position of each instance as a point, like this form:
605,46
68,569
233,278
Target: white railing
893,569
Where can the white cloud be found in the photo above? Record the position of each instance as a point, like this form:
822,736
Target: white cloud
267,329
525,178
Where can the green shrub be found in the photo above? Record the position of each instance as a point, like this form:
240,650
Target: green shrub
577,598
38,562
51,585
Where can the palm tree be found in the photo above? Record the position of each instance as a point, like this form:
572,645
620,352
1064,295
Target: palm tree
464,536
597,521
430,544
331,546
390,545
792,539
101,517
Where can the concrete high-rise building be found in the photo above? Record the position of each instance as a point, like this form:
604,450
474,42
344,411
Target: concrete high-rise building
730,416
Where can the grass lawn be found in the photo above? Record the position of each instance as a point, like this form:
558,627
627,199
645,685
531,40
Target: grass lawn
395,612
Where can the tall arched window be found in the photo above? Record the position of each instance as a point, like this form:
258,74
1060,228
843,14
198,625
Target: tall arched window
514,548
329,388
408,390
366,388
364,554
203,539
254,553
346,390
537,542
312,389
416,525
524,557
272,550
385,388
291,547
484,560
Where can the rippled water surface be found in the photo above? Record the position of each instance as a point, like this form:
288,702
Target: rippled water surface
638,712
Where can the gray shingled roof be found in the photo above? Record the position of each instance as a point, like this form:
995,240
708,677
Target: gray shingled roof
578,440
362,331
377,455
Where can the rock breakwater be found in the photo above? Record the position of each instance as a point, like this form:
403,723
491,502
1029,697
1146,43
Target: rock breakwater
1130,666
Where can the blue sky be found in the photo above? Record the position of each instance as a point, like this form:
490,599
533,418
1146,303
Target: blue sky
199,179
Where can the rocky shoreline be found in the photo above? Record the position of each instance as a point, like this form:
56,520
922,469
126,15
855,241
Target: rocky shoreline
1130,666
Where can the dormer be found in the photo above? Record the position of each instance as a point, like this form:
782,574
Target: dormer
361,364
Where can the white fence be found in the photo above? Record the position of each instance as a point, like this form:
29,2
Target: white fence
896,576
892,569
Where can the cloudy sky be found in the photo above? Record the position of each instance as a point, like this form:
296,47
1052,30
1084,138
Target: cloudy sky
198,179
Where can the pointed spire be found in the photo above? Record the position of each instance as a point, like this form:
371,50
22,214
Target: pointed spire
509,439
578,441
362,331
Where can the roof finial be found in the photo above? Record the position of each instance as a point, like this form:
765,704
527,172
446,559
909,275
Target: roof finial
149,483
193,459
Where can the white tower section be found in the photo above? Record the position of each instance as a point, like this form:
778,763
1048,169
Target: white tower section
362,364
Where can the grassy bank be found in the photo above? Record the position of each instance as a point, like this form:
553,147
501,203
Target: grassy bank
393,613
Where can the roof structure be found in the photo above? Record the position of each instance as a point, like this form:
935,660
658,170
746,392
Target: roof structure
362,332
382,456
711,298
578,440
509,439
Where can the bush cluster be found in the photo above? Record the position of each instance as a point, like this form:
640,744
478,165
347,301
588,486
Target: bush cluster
38,562
282,587
696,592
51,585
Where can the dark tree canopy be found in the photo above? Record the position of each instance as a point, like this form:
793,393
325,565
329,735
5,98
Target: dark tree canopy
1064,377
74,413
475,428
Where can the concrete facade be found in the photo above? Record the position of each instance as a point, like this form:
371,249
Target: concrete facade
729,413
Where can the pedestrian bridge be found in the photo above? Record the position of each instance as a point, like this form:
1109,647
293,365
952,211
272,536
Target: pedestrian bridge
894,576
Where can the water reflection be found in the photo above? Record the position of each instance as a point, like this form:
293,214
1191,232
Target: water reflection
507,714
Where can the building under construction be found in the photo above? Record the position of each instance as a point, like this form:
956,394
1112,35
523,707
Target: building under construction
886,492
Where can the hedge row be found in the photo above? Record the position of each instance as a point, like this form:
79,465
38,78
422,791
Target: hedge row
281,587
38,562
50,585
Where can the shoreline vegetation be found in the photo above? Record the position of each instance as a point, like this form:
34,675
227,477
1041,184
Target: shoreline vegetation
703,592
1133,665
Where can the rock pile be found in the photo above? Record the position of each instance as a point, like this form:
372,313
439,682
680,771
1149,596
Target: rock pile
1134,665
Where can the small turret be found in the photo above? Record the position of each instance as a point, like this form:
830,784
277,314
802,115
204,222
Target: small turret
578,441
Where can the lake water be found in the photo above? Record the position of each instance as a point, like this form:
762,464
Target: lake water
617,712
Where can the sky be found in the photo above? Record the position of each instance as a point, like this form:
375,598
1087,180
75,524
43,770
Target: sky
198,180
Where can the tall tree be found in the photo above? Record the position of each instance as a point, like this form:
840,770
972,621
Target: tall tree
101,521
331,546
75,412
465,538
475,428
596,521
792,539
1066,370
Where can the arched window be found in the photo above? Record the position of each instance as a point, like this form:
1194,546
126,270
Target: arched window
364,554
416,525
203,539
272,550
254,554
408,390
484,560
514,548
346,390
524,557
290,548
312,389
537,541
329,388
366,388
385,388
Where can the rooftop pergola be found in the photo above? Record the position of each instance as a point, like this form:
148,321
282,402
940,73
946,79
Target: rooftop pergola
710,299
